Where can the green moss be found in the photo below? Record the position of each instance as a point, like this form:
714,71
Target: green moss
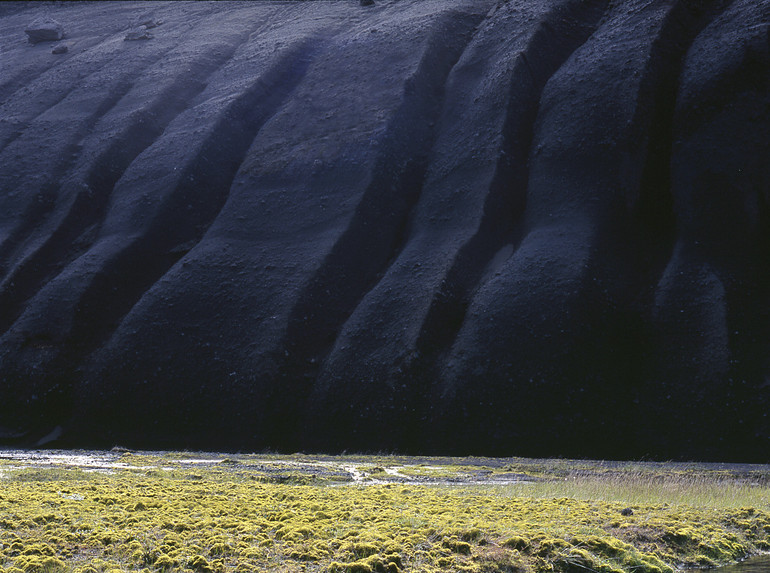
517,542
38,564
372,564
164,561
456,545
226,521
38,549
552,547
201,564
361,549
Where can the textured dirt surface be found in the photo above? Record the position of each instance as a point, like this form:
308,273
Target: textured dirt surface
469,226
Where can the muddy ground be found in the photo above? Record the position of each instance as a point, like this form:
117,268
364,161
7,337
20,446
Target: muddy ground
372,469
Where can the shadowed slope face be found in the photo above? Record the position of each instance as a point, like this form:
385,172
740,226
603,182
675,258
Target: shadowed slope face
518,227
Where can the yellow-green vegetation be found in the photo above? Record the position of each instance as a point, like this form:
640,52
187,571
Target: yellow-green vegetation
164,513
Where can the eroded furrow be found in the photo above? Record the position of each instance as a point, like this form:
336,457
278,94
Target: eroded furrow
200,194
653,203
91,32
142,235
377,229
89,188
98,54
17,89
565,294
41,199
555,38
472,202
285,213
712,283
32,194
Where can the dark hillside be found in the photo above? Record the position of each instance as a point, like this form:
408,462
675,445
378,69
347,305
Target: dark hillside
498,227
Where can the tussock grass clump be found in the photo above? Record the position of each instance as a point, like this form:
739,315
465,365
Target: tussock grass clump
642,488
148,519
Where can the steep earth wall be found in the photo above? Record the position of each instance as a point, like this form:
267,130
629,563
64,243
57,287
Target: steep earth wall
522,227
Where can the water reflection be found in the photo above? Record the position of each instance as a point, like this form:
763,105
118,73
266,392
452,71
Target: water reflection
759,564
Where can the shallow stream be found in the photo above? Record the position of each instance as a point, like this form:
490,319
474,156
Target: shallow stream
759,564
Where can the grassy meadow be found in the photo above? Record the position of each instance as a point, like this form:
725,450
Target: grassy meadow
184,512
